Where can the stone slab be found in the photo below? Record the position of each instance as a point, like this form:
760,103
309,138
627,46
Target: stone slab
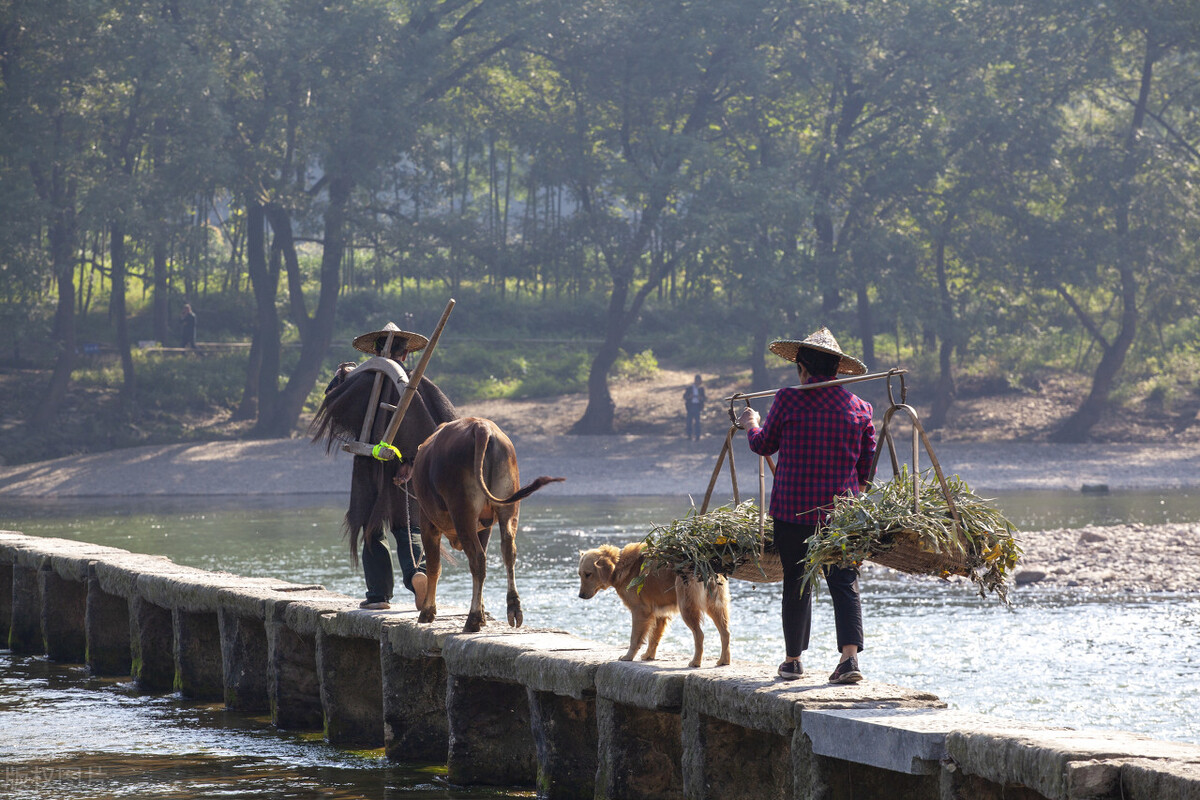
1144,778
303,615
907,740
654,686
494,655
37,552
194,590
410,639
1069,763
118,574
751,696
565,666
361,623
251,600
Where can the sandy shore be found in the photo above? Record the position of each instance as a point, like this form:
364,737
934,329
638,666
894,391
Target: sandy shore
1122,558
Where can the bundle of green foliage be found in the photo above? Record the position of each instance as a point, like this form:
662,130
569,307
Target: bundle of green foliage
714,543
887,525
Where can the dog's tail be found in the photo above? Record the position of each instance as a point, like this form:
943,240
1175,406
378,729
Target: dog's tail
483,434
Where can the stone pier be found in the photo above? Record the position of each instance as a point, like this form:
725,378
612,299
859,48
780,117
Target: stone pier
539,708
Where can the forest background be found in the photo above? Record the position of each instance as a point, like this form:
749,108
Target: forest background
1001,197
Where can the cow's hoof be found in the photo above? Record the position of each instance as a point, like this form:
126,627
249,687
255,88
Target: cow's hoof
515,618
474,623
427,615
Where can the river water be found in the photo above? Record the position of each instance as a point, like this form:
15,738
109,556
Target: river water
1126,662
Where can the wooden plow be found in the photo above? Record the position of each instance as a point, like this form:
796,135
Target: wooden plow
389,369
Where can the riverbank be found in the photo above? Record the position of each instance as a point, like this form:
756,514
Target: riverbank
1122,558
592,465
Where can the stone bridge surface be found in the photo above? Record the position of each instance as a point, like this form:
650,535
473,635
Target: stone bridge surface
542,708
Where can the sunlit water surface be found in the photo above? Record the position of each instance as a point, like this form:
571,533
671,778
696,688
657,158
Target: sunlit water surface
1123,662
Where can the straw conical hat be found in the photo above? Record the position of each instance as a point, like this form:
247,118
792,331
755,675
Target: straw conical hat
823,341
412,341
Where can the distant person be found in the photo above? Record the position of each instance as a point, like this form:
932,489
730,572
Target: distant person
187,326
693,403
825,438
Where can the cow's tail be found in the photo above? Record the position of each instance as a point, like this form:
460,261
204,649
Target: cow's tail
483,435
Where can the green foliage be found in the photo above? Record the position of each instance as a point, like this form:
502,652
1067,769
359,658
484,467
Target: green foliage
637,366
889,515
177,397
713,543
668,173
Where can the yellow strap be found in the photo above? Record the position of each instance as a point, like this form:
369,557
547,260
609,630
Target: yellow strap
383,447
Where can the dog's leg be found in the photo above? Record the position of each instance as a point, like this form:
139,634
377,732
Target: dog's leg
691,599
641,624
656,634
718,611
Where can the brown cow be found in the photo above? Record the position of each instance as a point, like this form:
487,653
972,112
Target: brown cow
456,477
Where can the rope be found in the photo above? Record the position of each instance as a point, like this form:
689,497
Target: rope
412,556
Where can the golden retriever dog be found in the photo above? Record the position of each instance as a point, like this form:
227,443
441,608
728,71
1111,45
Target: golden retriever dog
662,595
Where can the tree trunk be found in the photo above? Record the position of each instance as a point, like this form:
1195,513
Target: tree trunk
943,393
248,408
318,332
63,228
600,413
116,248
265,283
866,324
758,349
162,319
1077,426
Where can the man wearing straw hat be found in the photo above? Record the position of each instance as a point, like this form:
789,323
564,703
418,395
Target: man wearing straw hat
825,439
376,556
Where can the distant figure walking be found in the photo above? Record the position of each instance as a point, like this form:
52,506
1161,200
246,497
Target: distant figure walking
187,325
694,398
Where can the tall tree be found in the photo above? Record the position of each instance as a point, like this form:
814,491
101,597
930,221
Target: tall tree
49,70
1117,202
642,85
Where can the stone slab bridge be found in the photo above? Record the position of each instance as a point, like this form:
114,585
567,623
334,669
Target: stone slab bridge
542,708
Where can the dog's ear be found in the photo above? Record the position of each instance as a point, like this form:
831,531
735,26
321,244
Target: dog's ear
605,567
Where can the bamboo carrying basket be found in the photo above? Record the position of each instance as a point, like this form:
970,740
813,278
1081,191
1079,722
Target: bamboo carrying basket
903,552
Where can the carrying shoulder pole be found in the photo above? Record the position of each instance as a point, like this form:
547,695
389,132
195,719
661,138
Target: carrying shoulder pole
837,382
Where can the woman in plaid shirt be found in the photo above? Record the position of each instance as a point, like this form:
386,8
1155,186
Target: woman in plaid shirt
825,439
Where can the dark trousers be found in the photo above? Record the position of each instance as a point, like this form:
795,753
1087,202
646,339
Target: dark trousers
693,420
367,480
791,540
377,562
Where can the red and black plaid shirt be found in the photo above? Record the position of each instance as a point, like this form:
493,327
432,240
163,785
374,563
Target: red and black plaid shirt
825,438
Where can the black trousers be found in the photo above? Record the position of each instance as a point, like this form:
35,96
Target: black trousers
791,540
366,482
377,561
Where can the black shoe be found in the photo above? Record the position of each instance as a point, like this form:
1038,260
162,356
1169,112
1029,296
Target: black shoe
790,670
375,605
847,672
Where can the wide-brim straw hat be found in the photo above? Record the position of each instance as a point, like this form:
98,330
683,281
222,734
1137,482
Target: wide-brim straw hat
823,341
413,341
